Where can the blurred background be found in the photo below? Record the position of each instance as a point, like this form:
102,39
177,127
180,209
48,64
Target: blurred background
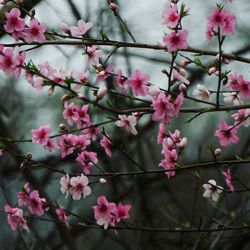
156,200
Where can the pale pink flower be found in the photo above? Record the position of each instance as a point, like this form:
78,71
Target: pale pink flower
138,82
35,32
81,28
87,160
62,215
227,134
154,91
14,22
229,179
128,122
161,133
79,187
232,98
104,212
120,81
102,91
65,185
202,93
93,54
212,190
171,16
70,113
242,117
41,135
105,143
81,77
176,40
103,73
15,218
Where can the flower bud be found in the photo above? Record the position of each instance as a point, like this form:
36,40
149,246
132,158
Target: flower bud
182,87
102,180
101,92
217,151
212,70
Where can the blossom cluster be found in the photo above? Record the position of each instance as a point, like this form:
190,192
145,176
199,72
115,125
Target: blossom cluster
172,145
108,213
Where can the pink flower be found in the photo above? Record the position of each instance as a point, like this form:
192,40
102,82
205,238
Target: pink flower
122,212
138,82
23,196
92,132
70,113
242,117
65,185
14,21
87,160
170,158
79,187
62,215
15,218
128,122
104,211
176,40
36,204
104,73
229,179
81,77
171,16
83,116
161,133
105,143
66,144
81,28
35,32
93,54
120,81
226,134
41,135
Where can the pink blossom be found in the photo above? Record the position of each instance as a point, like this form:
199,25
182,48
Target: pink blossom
170,158
229,179
14,22
87,160
105,143
122,212
171,16
176,40
104,211
92,132
226,134
65,185
128,122
15,218
153,91
242,117
93,54
161,133
36,204
35,32
79,187
70,113
83,116
104,73
50,145
81,77
120,81
41,135
138,82
81,28
23,196
66,144
62,215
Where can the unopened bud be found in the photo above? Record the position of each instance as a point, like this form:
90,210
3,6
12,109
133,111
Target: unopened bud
217,151
184,62
212,70
182,87
102,180
65,97
101,92
183,142
65,27
62,126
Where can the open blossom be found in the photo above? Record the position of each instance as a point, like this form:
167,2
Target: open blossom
41,135
229,179
104,211
232,97
35,32
138,82
226,134
14,22
242,117
224,20
170,158
103,73
161,133
15,218
212,190
65,185
122,212
176,40
128,122
79,187
70,113
171,16
81,28
62,216
105,143
93,54
87,160
120,81
201,92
